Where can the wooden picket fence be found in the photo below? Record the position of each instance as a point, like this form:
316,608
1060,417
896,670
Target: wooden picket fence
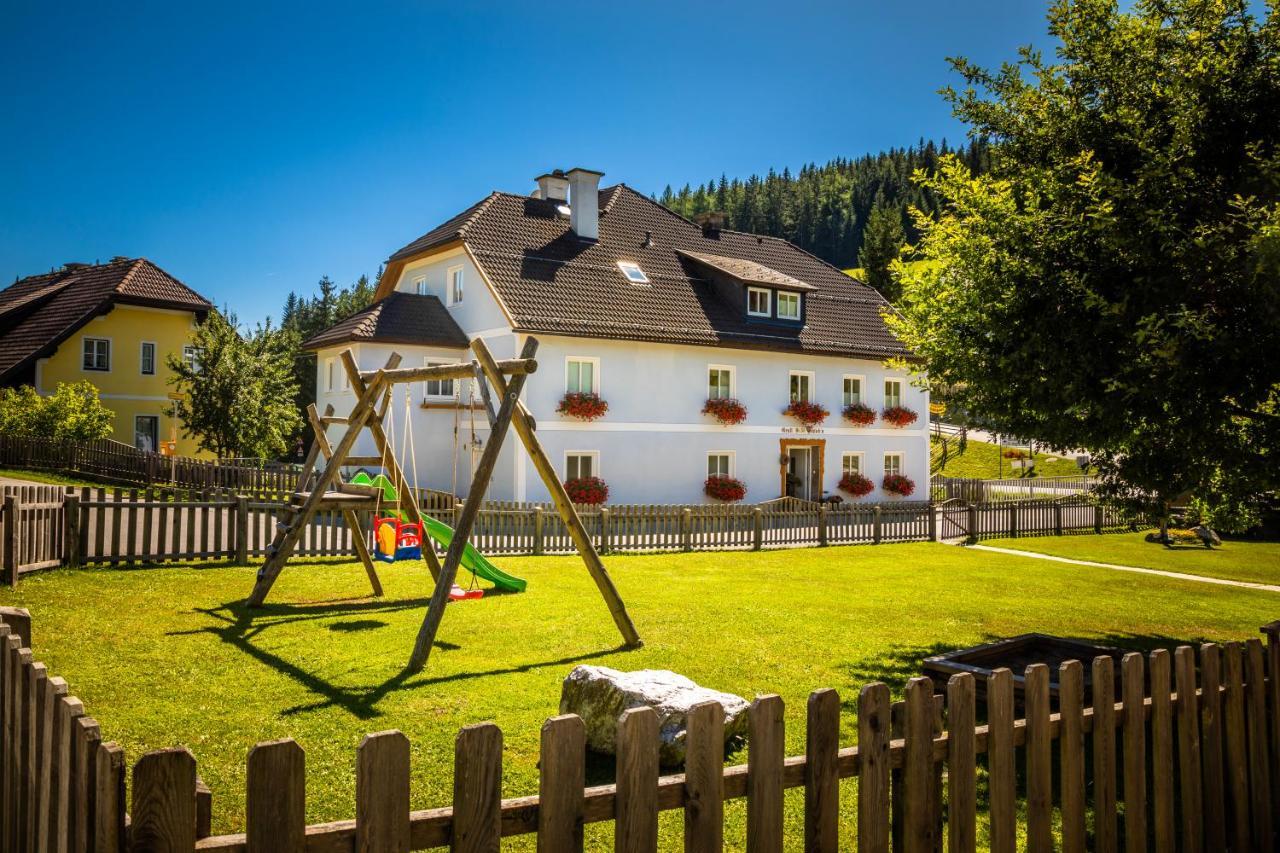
43,527
1170,753
113,462
975,490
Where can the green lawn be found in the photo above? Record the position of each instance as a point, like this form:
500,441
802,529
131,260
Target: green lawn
45,477
1258,562
166,656
983,461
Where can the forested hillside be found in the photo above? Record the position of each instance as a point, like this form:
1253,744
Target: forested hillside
825,209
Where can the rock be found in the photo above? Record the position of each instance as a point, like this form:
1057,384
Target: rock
600,695
1207,536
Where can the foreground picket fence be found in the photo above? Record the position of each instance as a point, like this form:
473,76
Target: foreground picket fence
1162,755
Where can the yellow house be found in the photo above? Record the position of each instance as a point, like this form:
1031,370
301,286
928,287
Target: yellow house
112,324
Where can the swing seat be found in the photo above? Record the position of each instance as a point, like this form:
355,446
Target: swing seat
460,594
396,540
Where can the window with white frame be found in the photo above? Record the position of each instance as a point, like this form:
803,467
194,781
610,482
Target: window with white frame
455,285
801,386
719,382
893,463
759,302
633,273
852,390
851,463
191,358
892,393
788,305
440,389
330,374
420,285
582,375
97,354
147,359
720,463
581,463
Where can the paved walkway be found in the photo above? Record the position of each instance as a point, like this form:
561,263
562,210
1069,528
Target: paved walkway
1265,587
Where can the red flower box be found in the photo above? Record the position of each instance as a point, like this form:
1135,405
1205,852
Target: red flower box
899,416
587,490
582,405
726,410
856,485
809,414
725,488
898,484
859,414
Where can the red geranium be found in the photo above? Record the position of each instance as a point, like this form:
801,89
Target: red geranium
725,488
898,416
859,414
726,410
897,484
856,485
1015,454
587,490
582,404
809,414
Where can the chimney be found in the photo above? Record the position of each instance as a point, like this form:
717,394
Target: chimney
584,203
553,185
72,266
711,222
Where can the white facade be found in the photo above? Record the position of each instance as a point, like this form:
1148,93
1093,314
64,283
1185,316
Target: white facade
653,444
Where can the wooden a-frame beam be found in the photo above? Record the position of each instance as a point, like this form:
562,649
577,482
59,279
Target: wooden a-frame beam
467,518
348,515
461,370
524,425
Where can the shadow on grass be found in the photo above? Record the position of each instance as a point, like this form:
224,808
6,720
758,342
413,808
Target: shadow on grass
239,626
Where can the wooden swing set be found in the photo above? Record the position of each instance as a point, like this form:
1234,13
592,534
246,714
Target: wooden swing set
328,491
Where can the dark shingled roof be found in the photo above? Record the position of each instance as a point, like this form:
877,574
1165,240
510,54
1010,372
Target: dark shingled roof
549,280
400,318
41,311
747,272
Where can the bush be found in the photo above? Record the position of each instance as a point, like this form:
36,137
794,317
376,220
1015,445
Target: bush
72,412
726,410
898,484
587,490
859,414
856,485
899,416
583,405
725,488
809,414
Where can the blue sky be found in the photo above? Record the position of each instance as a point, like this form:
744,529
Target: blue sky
249,148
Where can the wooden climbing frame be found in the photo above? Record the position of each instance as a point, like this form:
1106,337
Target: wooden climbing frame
328,491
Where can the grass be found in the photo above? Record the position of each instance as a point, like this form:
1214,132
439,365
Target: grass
166,656
981,460
47,478
1257,562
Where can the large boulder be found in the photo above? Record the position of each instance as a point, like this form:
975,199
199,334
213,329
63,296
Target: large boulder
600,695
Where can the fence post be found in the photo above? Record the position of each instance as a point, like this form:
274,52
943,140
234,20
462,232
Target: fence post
822,524
538,544
1057,519
933,522
1097,518
875,525
242,530
9,549
686,529
1013,519
604,529
757,528
71,530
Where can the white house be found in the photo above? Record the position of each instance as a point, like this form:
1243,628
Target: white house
655,314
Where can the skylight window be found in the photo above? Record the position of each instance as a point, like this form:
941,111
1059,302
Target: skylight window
632,271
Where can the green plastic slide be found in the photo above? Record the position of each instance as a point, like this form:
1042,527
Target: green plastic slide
472,560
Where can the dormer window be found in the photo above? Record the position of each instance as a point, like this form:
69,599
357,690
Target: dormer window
632,271
788,305
759,302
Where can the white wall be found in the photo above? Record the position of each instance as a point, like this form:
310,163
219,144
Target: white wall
478,312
